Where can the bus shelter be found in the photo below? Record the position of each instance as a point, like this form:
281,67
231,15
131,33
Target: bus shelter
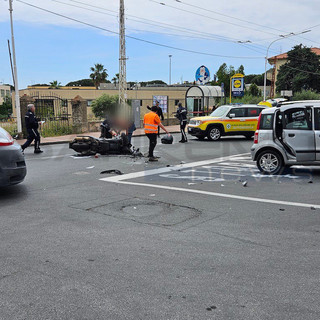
201,100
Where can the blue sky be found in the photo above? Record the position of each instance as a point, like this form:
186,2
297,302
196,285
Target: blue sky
52,48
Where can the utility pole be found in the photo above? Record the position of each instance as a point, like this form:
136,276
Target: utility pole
15,80
170,56
122,59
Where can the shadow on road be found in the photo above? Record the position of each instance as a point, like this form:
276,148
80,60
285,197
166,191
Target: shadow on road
16,192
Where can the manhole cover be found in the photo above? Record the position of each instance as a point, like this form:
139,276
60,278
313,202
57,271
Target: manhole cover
159,213
150,212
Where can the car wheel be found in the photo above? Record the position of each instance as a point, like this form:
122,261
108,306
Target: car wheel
270,162
214,134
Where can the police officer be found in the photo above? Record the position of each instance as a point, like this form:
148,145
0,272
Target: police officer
32,126
182,116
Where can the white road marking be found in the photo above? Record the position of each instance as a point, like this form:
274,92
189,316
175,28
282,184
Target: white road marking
222,195
159,171
237,164
47,158
141,174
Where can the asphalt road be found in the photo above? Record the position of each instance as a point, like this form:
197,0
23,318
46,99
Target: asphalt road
201,236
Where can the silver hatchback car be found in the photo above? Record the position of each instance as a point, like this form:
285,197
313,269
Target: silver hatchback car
12,164
286,136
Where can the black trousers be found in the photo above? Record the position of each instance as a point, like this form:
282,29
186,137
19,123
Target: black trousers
33,134
183,125
152,143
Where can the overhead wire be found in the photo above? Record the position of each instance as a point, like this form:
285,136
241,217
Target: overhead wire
173,27
135,38
243,20
208,17
252,47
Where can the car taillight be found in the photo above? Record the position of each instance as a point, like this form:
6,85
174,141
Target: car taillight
6,140
256,137
259,119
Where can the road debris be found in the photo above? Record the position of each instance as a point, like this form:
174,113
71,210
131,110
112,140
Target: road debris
245,183
111,171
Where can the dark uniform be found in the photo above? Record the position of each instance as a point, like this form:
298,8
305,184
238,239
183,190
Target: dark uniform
182,116
32,126
106,129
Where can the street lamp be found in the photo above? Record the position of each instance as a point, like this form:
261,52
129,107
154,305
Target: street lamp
266,58
170,56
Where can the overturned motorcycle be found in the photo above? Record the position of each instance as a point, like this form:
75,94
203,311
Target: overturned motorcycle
87,145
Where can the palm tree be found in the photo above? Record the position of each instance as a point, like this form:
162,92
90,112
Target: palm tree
99,74
54,84
115,79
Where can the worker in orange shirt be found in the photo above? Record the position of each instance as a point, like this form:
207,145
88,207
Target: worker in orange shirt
151,123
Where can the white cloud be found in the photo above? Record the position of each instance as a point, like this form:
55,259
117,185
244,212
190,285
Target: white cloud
285,15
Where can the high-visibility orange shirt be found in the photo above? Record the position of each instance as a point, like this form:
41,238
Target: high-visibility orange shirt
151,122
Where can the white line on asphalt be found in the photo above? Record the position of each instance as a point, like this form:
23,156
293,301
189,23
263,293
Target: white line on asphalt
222,195
119,179
47,158
141,174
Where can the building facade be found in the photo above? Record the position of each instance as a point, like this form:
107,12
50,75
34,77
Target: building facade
4,91
277,62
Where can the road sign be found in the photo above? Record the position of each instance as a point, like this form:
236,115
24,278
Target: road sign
237,85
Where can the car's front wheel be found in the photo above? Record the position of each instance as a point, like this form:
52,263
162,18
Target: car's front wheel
214,134
270,162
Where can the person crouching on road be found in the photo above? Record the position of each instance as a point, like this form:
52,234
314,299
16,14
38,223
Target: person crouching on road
151,123
182,116
32,126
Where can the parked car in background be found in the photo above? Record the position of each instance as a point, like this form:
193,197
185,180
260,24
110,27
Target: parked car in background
226,120
286,136
12,163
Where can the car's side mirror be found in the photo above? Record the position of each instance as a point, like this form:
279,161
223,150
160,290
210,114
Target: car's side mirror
232,115
16,137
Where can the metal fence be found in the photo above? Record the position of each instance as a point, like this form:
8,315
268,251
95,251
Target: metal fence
54,114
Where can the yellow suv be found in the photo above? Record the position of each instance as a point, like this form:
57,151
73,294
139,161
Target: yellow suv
225,121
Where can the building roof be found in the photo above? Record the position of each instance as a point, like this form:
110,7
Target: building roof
284,56
203,91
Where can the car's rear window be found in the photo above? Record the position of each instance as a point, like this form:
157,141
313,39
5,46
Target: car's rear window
266,122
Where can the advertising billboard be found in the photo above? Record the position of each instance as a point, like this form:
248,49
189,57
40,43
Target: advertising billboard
202,75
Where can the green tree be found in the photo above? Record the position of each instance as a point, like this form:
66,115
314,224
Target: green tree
240,69
54,84
115,79
40,85
224,74
300,72
99,74
6,106
104,105
82,83
254,90
153,83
